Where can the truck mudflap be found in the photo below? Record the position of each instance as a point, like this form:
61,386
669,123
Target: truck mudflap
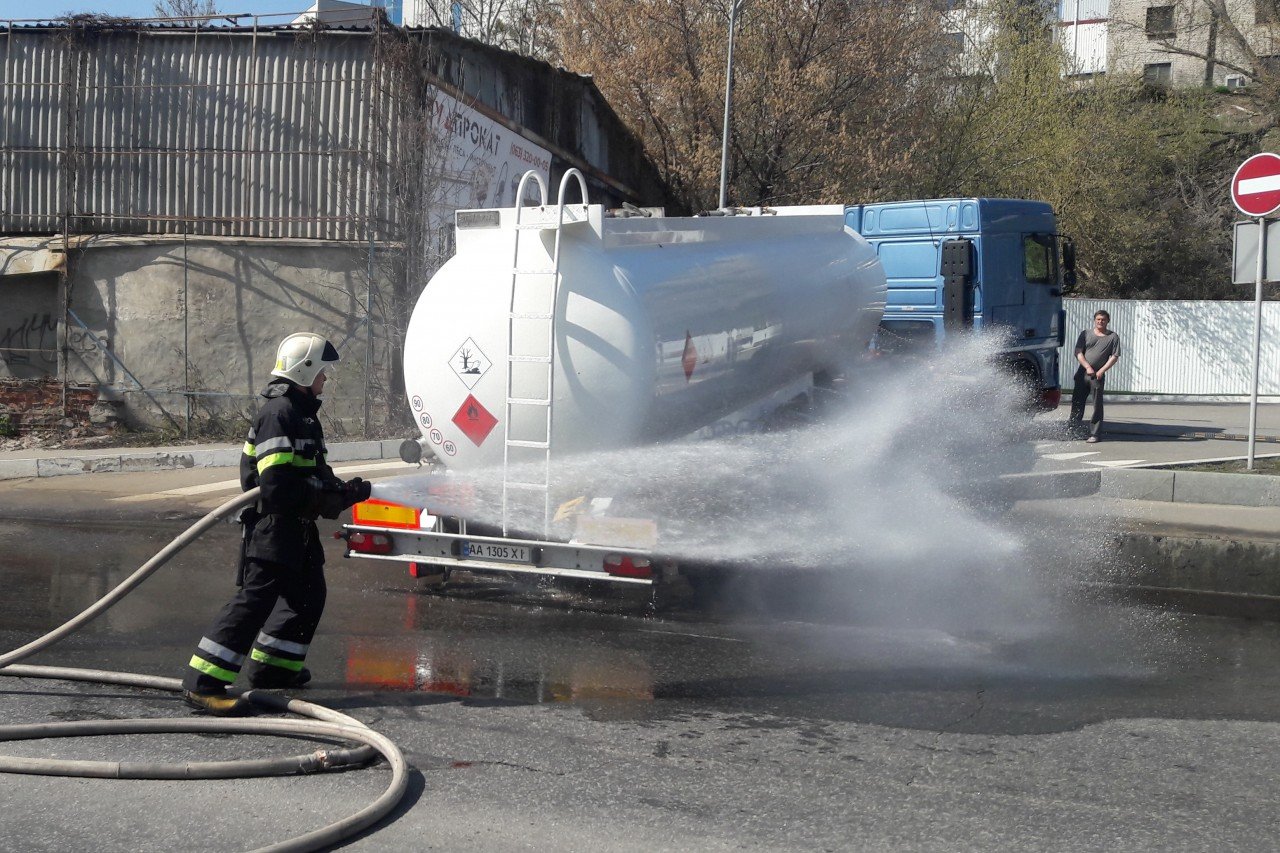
381,530
1050,399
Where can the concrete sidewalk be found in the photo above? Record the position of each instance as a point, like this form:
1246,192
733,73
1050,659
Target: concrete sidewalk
1221,421
20,464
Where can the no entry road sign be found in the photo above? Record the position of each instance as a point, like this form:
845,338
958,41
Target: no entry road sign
1255,188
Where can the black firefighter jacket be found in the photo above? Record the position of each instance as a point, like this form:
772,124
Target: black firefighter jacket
285,450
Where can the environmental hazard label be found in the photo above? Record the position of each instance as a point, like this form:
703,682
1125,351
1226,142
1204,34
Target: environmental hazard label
474,420
469,363
689,358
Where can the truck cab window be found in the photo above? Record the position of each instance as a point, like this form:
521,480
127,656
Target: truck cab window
1038,254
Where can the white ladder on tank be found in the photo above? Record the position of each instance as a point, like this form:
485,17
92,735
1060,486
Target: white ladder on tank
535,292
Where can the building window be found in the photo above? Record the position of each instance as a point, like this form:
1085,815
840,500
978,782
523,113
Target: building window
1266,12
1159,74
1160,22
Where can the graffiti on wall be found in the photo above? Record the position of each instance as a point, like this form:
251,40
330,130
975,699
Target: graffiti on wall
29,346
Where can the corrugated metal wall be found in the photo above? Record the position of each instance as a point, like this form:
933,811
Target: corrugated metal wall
1177,347
216,132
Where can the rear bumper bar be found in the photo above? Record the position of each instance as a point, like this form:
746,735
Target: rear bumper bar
548,558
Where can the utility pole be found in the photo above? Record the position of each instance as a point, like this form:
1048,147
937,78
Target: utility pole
728,104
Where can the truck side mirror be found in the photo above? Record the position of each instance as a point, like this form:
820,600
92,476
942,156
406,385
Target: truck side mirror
1068,264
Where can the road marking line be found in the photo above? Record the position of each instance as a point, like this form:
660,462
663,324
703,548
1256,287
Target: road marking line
1181,463
234,485
1063,457
1114,463
687,634
374,466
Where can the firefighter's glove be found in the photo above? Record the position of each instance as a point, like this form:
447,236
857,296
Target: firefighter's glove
325,499
354,491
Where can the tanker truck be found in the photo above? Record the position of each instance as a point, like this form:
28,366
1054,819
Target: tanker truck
563,328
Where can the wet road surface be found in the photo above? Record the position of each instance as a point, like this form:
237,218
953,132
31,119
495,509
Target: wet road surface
541,717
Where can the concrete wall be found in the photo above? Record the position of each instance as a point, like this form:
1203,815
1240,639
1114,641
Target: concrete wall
196,323
29,325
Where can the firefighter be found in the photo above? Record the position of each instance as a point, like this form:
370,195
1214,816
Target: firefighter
269,622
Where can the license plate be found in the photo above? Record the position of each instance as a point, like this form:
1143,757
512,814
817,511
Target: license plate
495,551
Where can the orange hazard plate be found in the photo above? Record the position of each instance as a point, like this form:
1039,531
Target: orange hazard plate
376,513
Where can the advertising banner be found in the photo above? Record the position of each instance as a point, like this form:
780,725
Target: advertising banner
484,161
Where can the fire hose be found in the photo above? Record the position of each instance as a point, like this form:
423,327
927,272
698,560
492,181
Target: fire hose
321,722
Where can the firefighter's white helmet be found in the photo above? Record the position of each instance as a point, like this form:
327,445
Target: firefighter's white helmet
302,356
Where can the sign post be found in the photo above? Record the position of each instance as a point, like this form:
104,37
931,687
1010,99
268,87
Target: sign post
1255,189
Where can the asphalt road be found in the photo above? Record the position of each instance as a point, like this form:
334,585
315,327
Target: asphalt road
1006,709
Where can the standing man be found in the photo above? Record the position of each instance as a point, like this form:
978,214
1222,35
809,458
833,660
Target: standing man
281,589
1097,350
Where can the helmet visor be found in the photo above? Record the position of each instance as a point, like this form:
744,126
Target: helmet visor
329,355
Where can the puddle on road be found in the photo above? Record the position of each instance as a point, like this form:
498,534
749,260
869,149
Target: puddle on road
612,667
455,672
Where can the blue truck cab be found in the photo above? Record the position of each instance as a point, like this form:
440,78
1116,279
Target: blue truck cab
989,265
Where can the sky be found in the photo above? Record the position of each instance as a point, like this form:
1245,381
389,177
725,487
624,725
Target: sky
18,9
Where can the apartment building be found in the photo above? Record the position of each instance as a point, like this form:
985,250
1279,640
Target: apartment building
1182,43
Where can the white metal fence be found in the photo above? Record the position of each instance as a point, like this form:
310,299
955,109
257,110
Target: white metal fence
1181,347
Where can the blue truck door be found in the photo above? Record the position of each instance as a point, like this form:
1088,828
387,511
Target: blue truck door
1025,300
913,321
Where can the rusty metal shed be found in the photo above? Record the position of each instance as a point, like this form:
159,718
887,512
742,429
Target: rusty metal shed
111,126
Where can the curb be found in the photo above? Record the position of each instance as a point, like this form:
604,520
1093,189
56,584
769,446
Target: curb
1194,487
114,461
1147,484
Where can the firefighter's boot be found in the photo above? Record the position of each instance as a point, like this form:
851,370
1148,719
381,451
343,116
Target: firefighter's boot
278,678
217,703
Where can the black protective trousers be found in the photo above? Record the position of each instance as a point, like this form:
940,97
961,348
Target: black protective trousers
269,621
1080,396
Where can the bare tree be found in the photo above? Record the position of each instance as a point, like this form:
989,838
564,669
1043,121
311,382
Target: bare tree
820,112
523,26
185,8
402,175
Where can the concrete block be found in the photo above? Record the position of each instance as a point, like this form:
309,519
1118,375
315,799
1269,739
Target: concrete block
1137,484
1053,484
348,451
221,458
155,461
1207,487
1209,564
63,466
15,469
391,448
